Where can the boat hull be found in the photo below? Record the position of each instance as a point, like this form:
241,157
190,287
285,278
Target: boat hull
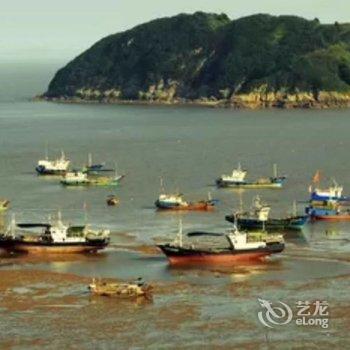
293,223
339,217
200,206
273,183
44,171
46,248
226,257
317,197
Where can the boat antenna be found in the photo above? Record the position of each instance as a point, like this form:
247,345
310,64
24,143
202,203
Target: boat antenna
209,196
274,167
63,156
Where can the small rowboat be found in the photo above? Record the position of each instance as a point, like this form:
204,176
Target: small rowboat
112,200
133,290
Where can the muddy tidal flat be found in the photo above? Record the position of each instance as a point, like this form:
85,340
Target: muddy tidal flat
44,300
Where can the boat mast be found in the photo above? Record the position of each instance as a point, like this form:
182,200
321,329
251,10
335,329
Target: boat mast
47,150
274,168
240,201
85,213
162,190
294,212
179,238
89,160
116,170
11,230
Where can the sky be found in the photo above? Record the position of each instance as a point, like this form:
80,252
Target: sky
47,30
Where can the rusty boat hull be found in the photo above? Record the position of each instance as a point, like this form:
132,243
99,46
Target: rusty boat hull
179,256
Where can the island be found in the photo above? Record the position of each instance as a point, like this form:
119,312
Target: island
258,61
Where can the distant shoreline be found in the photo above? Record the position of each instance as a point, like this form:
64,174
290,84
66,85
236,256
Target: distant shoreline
328,100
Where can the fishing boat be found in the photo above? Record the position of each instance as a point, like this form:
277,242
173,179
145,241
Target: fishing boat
330,210
80,178
4,204
258,218
57,238
241,247
112,200
53,167
91,167
75,178
137,289
177,202
237,180
333,193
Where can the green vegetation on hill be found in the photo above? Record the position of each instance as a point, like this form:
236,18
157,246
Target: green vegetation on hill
257,60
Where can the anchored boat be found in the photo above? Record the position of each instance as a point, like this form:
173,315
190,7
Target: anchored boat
177,202
54,238
241,247
237,180
332,193
137,289
53,167
80,178
91,167
112,200
330,210
258,218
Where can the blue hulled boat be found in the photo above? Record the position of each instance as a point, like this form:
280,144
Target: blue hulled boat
258,219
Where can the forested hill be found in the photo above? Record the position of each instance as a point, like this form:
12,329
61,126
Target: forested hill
255,61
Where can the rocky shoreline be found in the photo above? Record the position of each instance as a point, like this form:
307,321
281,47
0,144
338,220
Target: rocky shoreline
253,100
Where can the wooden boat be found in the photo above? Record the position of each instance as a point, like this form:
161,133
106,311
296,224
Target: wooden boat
4,204
236,180
176,202
258,219
53,167
242,247
133,290
112,200
57,238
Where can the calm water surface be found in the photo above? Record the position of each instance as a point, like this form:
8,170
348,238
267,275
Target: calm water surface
189,147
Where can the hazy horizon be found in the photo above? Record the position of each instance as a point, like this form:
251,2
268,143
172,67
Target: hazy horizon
58,32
